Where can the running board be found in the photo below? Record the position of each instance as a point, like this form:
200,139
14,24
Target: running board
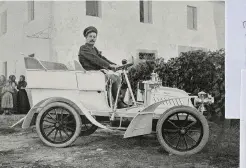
18,122
118,128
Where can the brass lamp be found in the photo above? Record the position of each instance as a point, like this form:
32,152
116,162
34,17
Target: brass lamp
203,99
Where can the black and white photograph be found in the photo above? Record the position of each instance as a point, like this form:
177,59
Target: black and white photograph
115,84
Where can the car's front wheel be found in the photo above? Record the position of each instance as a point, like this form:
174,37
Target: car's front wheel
182,130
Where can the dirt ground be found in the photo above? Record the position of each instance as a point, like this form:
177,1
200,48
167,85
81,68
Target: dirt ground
23,149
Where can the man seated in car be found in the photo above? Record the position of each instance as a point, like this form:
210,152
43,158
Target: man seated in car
91,59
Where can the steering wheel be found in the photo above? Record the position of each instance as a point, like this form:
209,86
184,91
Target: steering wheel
123,67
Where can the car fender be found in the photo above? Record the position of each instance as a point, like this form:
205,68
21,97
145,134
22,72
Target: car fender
29,116
152,107
142,122
76,104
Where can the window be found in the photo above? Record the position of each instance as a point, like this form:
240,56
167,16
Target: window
3,68
3,23
30,10
146,56
191,17
145,11
92,8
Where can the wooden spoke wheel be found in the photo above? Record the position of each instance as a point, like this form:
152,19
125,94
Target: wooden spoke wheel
58,124
182,130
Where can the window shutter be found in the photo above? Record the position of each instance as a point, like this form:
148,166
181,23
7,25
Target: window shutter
189,17
6,68
141,4
4,22
149,13
195,18
30,10
145,11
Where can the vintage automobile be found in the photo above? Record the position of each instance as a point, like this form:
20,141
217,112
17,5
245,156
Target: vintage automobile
71,102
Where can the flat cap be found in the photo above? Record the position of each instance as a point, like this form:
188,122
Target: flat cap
89,30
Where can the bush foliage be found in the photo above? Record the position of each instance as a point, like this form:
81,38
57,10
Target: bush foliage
192,71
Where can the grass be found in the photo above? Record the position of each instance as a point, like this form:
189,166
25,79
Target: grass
8,120
221,151
227,150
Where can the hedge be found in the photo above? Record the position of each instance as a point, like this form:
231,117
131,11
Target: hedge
192,71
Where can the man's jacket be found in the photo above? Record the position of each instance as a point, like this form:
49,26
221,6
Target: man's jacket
91,59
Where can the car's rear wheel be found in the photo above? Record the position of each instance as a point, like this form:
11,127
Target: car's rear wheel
58,124
87,127
182,130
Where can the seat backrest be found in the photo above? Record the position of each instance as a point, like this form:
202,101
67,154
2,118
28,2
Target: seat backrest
78,66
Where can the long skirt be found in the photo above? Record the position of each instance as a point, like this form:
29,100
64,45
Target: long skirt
23,102
7,101
14,110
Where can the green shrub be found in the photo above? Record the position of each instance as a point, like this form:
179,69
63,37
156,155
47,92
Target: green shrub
139,72
192,71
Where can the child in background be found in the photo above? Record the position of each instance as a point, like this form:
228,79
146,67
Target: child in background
7,98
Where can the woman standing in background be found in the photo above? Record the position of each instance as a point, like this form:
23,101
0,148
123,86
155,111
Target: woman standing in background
12,78
22,98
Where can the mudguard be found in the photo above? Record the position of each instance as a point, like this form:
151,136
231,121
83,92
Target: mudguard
28,118
76,104
142,122
140,125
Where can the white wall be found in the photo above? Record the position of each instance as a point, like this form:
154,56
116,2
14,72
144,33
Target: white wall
121,33
219,20
15,41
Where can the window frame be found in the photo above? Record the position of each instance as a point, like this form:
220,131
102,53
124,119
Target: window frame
147,52
194,19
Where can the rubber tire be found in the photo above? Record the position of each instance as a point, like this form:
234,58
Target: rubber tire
77,119
188,109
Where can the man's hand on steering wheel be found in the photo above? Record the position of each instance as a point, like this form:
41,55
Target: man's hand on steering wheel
118,67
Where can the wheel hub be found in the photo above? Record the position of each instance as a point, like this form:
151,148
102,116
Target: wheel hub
57,125
182,131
